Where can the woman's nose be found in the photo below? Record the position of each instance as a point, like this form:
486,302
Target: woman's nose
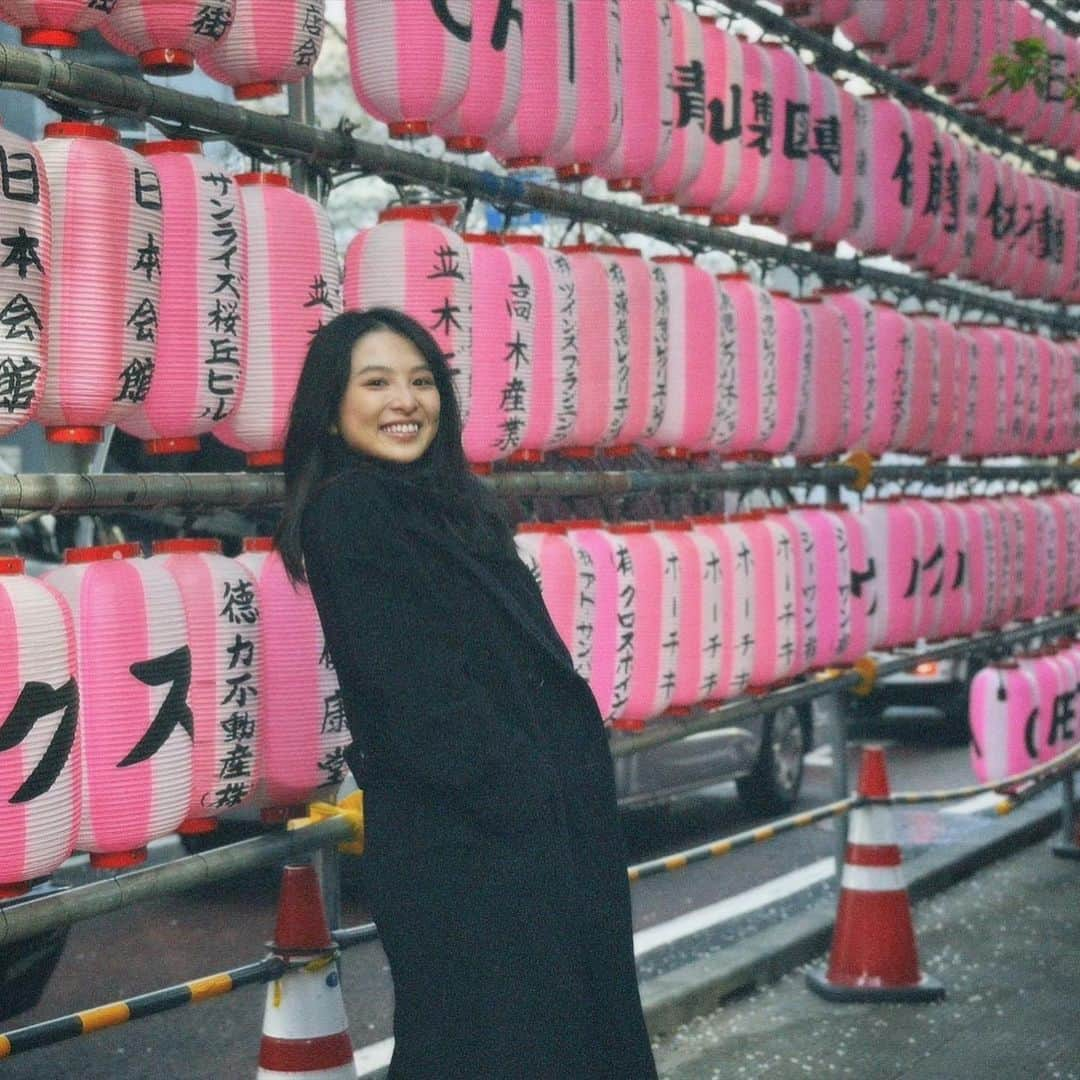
404,398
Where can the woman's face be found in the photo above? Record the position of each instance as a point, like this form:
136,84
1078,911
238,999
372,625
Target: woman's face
390,408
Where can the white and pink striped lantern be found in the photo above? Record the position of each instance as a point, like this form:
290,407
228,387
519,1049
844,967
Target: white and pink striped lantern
224,632
701,623
785,73
413,262
688,136
596,71
303,731
503,319
874,23
818,15
647,44
746,406
794,367
568,581
547,106
267,46
600,364
134,686
915,416
883,206
856,584
409,62
825,600
1003,704
54,24
920,48
104,291
859,400
651,564
826,402
612,640
40,743
933,569
200,333
718,173
692,357
293,282
984,421
950,376
925,160
24,281
167,37
494,87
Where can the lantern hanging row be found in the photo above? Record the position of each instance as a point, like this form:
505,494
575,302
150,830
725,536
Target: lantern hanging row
917,40
139,317
671,359
660,617
254,46
149,695
1022,711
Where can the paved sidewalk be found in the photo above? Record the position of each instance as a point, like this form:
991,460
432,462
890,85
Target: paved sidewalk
1006,945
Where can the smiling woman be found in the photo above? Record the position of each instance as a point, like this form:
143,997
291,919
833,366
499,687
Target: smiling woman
489,793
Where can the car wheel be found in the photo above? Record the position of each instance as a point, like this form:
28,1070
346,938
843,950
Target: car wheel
774,784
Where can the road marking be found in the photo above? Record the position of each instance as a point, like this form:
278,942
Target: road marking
694,922
369,1059
986,801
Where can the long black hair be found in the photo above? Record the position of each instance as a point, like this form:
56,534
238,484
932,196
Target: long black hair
314,452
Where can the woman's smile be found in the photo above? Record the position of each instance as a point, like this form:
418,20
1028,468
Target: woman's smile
390,408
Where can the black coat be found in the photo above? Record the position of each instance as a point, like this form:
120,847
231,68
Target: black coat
494,862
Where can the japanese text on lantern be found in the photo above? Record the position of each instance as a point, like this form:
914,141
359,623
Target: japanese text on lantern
625,619
240,688
514,396
224,305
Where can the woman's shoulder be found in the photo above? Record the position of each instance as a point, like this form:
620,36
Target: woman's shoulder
358,498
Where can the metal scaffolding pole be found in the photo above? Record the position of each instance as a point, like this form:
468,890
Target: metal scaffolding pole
69,85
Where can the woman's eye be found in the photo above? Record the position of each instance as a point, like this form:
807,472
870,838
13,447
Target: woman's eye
375,382
425,381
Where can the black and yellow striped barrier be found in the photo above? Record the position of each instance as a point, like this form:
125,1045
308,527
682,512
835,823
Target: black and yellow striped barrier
120,1012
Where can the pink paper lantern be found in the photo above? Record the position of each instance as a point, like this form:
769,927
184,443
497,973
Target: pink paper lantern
786,75
494,87
746,409
651,565
827,399
856,583
199,333
874,23
134,685
612,651
565,573
409,62
730,659
895,533
1004,697
224,632
777,575
597,73
24,280
602,368
167,37
700,616
40,743
644,142
692,357
950,374
859,399
929,577
916,177
819,15
990,38
884,189
976,570
794,369
688,136
413,262
293,282
954,610
825,603
547,108
503,319
104,291
54,24
268,44
718,173
303,732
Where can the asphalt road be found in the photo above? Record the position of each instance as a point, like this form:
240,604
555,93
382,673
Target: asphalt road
190,935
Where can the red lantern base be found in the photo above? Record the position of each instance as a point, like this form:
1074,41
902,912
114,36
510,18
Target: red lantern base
266,459
480,468
724,221
579,170
78,435
117,860
185,445
166,61
673,453
526,457
196,826
618,451
768,220
44,37
466,144
625,183
628,725
278,815
251,91
529,162
403,129
656,200
695,211
11,889
578,453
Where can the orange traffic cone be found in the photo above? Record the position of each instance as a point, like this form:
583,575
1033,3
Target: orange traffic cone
874,957
304,1026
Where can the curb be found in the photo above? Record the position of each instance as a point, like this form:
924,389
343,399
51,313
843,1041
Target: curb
699,987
